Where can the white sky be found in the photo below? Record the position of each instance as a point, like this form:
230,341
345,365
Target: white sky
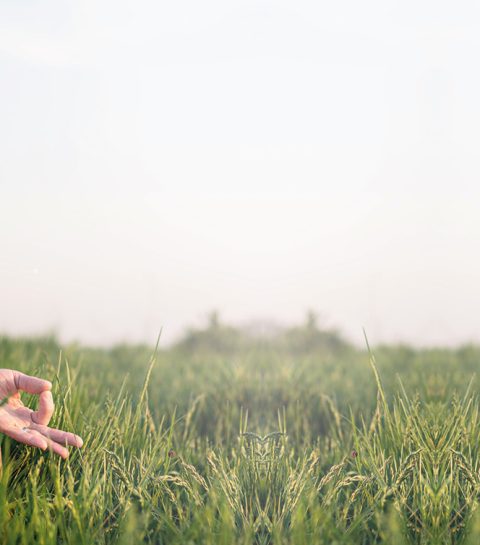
160,159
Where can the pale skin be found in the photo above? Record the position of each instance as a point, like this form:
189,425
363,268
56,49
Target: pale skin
28,426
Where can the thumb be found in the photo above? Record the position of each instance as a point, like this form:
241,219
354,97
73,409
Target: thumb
45,409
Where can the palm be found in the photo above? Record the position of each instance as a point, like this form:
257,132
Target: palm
27,426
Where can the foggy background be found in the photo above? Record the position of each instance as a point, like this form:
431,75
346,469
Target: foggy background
162,159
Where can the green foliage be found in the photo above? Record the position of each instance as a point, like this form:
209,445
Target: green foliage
227,438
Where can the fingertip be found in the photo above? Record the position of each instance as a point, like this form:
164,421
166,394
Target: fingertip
73,440
45,408
60,450
42,445
48,397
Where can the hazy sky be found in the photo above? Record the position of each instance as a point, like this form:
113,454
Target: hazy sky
160,159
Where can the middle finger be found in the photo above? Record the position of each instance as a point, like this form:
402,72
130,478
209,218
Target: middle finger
60,436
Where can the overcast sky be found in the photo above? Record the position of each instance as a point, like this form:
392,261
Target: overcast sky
160,159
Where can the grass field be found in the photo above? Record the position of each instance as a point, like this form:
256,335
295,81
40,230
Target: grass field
227,438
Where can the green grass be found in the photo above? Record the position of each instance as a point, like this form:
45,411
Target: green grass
230,439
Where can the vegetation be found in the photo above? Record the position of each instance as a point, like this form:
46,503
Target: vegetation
230,438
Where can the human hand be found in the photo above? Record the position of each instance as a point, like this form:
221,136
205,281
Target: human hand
27,426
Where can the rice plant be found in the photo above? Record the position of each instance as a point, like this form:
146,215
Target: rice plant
248,441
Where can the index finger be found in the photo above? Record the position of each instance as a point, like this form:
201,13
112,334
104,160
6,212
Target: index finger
31,385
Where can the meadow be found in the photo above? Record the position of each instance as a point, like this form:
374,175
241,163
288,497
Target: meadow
228,437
